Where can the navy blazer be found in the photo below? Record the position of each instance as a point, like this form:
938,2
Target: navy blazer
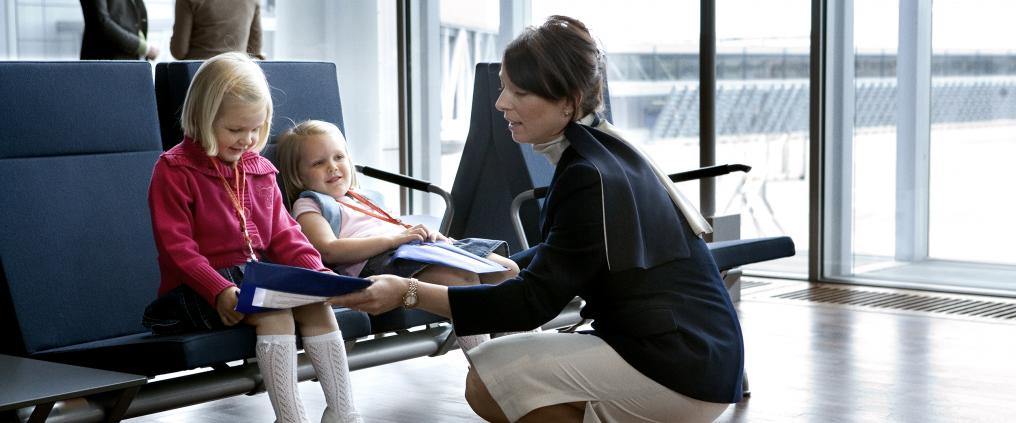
674,322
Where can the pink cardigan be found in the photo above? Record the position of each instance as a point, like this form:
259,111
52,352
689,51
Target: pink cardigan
197,229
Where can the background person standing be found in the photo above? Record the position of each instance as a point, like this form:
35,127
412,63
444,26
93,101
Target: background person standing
205,28
116,30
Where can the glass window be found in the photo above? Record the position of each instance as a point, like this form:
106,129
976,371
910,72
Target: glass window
644,69
914,199
762,94
973,119
468,34
652,73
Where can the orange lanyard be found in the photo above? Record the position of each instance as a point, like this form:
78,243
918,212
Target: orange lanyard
236,197
373,210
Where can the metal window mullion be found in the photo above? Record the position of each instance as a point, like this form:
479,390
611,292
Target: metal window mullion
9,35
913,127
405,106
707,104
832,154
515,15
425,56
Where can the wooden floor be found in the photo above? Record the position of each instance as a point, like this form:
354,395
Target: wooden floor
806,362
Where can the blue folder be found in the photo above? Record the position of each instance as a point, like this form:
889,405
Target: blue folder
281,280
446,254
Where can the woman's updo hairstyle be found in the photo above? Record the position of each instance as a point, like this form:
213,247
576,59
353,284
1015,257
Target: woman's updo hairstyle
557,60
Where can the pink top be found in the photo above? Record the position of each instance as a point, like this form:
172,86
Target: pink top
354,225
197,230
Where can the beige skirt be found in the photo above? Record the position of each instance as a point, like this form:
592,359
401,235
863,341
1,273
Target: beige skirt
527,371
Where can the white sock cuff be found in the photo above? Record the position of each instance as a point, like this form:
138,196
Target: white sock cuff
328,337
277,339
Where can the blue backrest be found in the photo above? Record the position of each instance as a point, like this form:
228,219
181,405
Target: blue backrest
494,169
78,141
300,91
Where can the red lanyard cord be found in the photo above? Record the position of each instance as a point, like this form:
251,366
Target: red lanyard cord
236,196
373,210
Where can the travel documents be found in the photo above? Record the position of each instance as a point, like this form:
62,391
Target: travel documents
268,286
446,254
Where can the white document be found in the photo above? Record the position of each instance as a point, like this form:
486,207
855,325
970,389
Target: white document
278,299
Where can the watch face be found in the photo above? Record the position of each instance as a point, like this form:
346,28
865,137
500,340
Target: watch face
409,301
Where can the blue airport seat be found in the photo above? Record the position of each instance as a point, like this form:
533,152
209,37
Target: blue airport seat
79,260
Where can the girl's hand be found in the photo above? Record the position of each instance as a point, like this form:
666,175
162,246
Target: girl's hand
225,303
384,294
431,235
439,237
416,233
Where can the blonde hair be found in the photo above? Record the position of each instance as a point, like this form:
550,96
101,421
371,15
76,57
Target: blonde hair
290,151
230,74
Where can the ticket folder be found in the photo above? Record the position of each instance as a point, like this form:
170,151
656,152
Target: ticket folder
268,286
446,254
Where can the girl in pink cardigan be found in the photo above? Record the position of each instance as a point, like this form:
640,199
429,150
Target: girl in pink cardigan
215,206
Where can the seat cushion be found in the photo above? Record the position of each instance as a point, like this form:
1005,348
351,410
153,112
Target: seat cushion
148,354
401,318
731,254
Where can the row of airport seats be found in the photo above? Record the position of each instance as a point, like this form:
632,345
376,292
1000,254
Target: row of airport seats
78,142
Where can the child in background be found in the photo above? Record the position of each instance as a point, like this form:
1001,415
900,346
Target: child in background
313,157
215,206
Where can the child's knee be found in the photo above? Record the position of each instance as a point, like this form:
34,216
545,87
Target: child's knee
494,278
448,276
513,267
317,314
277,322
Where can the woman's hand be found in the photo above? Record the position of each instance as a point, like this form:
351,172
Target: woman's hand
384,294
225,304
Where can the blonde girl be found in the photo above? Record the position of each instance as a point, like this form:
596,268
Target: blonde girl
215,206
320,181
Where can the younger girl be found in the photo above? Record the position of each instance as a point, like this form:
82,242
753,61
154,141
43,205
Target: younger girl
215,206
313,157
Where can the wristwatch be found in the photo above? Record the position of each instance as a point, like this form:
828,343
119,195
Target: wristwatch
409,300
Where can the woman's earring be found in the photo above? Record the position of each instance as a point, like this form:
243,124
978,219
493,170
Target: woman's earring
566,113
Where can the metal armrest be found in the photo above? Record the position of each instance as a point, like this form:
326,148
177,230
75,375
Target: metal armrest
536,193
416,184
708,172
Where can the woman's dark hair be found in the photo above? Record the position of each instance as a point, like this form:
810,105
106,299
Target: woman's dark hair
556,60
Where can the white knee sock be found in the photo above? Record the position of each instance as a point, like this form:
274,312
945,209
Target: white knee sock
277,361
467,343
328,356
